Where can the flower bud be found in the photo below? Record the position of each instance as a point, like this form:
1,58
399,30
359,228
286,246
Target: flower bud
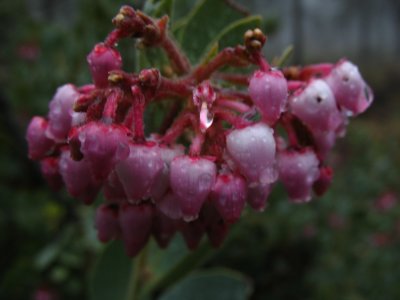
51,173
229,196
349,88
139,171
113,190
216,228
38,143
253,150
298,171
316,107
257,196
161,184
163,229
269,91
191,181
102,60
103,146
135,222
192,232
78,178
60,112
106,222
324,142
324,181
169,205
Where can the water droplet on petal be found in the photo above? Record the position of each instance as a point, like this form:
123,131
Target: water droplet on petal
206,117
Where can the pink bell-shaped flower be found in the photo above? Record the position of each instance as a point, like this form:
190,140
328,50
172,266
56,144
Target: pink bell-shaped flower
316,107
161,184
106,222
229,196
324,181
192,232
60,113
78,178
163,229
324,142
253,150
216,228
135,222
350,89
298,170
170,206
192,179
103,146
102,60
113,190
257,196
139,171
38,143
269,92
49,167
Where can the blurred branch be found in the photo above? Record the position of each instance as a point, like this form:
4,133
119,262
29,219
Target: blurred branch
236,6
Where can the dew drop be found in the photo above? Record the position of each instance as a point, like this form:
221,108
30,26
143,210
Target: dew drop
206,117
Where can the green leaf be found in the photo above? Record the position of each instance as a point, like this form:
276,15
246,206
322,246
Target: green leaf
210,285
205,22
181,9
282,60
111,274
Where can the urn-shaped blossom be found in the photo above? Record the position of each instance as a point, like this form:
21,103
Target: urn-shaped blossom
350,89
102,60
139,170
298,170
192,179
103,146
161,184
229,196
316,107
257,196
269,91
51,172
106,222
38,143
60,112
135,222
78,178
253,150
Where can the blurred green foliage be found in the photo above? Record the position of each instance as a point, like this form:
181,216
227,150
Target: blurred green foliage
339,246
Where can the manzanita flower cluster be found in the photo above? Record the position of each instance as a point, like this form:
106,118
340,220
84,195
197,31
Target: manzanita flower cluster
228,138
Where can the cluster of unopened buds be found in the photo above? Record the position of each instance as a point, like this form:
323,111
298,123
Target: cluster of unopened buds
227,138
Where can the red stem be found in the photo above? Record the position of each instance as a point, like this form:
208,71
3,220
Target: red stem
235,105
294,85
174,88
110,108
261,61
138,111
179,126
238,79
179,61
197,143
173,112
228,56
317,70
231,118
286,121
112,38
